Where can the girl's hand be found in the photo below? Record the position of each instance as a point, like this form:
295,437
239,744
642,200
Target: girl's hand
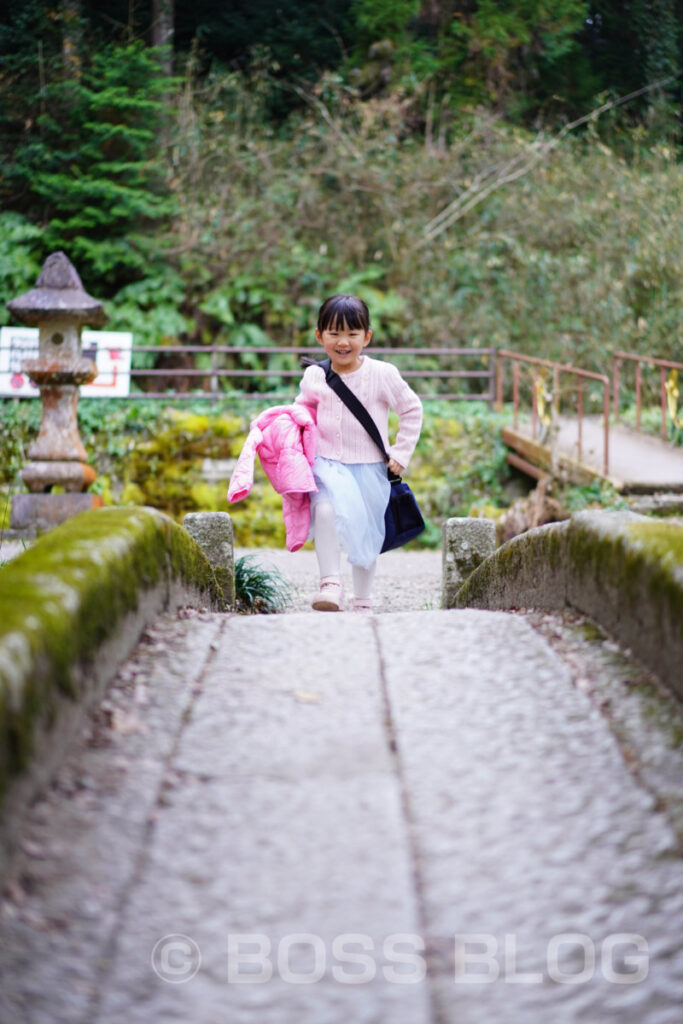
395,467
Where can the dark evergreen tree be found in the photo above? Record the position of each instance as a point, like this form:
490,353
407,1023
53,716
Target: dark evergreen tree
88,167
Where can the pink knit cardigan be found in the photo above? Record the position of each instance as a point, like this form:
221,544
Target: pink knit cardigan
380,387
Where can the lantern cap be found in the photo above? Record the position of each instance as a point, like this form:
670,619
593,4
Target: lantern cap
58,293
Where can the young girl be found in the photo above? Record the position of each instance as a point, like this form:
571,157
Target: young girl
347,511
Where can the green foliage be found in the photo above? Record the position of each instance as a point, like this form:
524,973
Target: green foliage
460,461
456,227
650,413
19,423
164,469
501,47
151,310
18,265
489,52
258,589
149,454
384,19
632,45
597,494
572,259
299,37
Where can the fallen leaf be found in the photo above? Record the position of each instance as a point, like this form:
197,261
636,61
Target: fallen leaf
126,722
305,697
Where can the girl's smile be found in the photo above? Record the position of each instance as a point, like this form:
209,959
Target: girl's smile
344,345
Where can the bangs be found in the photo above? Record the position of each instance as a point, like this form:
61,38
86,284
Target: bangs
344,311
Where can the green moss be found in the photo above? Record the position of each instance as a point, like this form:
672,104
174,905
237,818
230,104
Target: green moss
626,572
642,560
5,509
660,546
663,540
504,563
511,563
590,632
66,594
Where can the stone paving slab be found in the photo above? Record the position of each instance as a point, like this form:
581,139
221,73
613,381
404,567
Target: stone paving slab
82,841
287,820
352,779
528,827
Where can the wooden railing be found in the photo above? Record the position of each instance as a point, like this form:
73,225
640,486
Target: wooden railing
667,385
557,369
290,370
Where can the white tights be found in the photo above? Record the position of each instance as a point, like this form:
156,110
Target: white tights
329,553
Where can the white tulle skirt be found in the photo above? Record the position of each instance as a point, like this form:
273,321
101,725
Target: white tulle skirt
359,492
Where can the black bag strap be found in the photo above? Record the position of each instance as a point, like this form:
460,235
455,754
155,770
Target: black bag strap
355,406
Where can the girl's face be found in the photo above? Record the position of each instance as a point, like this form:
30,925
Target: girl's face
344,345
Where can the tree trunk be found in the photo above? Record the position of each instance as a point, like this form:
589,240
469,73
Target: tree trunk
71,37
162,32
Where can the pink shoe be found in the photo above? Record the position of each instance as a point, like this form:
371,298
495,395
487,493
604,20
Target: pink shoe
362,605
330,596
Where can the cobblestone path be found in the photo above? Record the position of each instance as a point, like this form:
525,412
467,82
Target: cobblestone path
426,817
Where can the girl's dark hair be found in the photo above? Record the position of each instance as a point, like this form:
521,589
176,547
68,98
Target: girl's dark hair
340,310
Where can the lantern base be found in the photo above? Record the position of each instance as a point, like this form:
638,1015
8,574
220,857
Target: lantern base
32,514
71,475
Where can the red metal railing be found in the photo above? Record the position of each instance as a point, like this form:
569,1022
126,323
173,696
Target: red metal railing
663,364
557,370
218,354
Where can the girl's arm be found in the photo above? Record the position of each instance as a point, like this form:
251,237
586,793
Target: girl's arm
409,409
309,389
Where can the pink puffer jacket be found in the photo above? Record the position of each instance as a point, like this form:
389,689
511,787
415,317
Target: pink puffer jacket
284,438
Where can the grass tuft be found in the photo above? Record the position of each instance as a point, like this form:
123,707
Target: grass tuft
259,590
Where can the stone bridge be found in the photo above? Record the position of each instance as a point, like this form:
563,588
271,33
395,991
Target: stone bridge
426,815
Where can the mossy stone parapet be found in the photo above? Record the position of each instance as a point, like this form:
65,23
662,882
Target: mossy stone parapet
623,570
71,608
467,541
213,532
527,571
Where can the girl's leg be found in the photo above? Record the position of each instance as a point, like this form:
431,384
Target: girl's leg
326,542
329,597
362,581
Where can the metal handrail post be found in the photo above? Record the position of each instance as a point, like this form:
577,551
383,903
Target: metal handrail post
638,387
515,393
493,367
605,416
499,382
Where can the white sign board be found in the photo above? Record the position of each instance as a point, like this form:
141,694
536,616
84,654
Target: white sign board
109,350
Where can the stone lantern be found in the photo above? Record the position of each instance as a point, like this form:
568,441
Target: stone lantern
59,307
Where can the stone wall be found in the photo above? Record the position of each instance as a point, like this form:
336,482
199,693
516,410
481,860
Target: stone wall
72,607
623,570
